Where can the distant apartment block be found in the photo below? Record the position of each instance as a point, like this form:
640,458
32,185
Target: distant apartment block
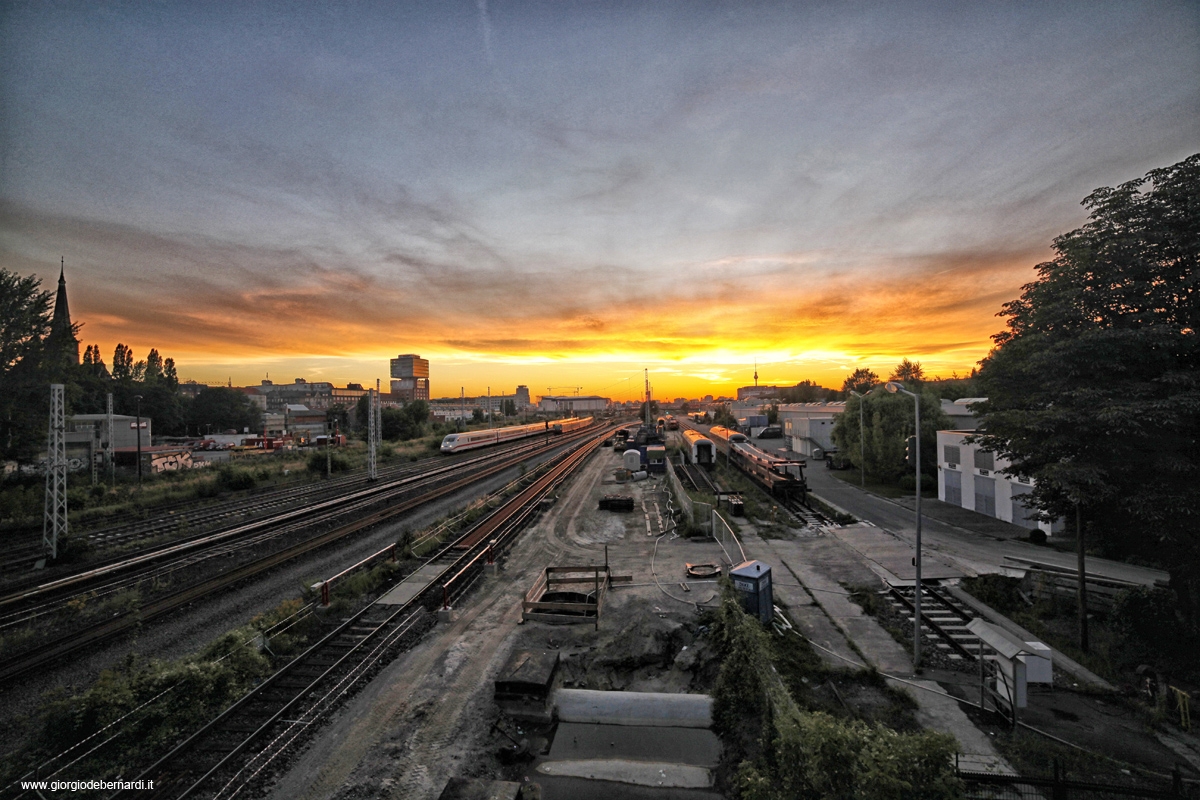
410,377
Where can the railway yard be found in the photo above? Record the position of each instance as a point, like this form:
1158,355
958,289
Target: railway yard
410,692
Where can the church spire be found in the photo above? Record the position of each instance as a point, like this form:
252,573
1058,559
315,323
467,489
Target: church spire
62,333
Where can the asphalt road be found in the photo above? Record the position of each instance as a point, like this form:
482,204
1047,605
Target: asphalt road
971,551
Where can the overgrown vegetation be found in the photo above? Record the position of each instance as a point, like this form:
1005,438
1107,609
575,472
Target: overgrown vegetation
150,703
1144,627
783,751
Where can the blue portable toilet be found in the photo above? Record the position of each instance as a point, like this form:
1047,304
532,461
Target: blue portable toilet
752,580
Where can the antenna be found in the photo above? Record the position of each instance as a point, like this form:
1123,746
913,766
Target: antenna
756,371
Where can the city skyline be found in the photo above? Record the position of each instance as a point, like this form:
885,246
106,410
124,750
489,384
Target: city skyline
563,194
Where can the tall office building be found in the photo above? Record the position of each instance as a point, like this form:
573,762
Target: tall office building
522,398
410,377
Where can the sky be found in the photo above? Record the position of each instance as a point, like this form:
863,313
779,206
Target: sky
564,194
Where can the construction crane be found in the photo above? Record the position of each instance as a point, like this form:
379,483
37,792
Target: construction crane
577,389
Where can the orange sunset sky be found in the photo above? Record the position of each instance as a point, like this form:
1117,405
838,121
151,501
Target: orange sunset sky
564,194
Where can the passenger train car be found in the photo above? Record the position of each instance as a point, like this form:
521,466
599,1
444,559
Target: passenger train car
458,442
700,448
781,477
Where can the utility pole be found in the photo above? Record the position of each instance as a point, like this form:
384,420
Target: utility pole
378,415
54,521
371,474
328,450
462,406
108,446
138,398
489,408
647,374
1082,579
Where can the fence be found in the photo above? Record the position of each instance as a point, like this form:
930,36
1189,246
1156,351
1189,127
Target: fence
685,502
726,538
994,786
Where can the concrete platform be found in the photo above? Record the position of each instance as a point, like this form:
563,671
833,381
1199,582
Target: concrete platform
411,586
893,556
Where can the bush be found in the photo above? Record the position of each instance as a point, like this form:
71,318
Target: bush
317,461
799,754
1149,630
908,482
235,479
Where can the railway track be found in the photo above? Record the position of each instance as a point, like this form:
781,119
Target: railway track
804,513
698,478
233,753
185,520
289,534
944,620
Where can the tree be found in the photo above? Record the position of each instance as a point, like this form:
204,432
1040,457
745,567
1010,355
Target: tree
862,380
908,372
723,416
223,408
509,408
1094,387
407,422
122,369
25,317
771,412
888,420
154,367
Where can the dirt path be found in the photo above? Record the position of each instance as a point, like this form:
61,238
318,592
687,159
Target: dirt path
426,714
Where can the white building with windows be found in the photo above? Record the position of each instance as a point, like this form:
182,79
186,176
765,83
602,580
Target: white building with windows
974,479
574,404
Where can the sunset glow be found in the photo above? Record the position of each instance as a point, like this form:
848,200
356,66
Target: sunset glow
565,195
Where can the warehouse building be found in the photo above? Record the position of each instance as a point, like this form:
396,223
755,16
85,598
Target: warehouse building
573,404
973,478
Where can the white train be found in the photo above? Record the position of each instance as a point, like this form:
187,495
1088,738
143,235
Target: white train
457,442
701,449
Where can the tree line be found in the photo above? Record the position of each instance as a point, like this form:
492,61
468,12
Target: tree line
31,359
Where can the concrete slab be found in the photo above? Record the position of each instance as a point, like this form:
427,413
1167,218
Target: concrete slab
695,746
893,554
638,773
634,708
411,586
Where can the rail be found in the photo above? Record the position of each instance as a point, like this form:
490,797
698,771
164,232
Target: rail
190,765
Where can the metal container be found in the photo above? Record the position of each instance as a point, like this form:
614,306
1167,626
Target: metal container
752,580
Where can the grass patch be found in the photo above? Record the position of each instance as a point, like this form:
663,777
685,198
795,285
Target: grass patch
1035,755
889,489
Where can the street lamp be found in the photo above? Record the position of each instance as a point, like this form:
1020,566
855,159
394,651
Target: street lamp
862,438
893,387
138,398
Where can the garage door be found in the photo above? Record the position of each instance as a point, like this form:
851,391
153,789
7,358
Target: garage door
985,495
953,486
1022,514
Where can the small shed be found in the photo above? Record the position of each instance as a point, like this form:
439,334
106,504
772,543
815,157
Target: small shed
752,580
1009,678
656,458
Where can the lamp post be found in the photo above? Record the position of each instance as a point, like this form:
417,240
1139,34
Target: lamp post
893,387
862,438
138,399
